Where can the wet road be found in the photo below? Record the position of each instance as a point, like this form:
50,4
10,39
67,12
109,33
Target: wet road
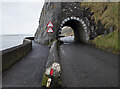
85,66
28,72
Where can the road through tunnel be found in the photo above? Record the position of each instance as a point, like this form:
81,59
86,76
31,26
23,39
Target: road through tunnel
88,67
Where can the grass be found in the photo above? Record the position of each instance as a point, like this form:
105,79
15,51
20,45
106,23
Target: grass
107,13
108,42
104,11
44,81
56,82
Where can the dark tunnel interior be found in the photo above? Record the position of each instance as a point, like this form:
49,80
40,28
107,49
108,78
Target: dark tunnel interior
77,27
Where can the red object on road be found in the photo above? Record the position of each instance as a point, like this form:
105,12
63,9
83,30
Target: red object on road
51,72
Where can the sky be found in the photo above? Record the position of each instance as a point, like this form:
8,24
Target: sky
19,17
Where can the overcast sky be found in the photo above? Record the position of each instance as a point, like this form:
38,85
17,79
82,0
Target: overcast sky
19,17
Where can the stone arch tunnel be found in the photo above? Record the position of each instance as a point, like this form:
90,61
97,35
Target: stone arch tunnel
79,27
65,14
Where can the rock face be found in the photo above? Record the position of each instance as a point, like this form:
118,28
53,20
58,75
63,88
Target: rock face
66,14
50,12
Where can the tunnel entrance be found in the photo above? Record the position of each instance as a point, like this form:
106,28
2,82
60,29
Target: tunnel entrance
81,32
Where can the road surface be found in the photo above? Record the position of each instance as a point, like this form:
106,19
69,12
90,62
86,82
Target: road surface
85,66
28,72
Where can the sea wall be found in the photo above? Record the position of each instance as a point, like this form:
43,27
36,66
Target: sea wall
14,54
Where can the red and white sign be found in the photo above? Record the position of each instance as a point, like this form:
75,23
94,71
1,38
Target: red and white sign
50,30
50,24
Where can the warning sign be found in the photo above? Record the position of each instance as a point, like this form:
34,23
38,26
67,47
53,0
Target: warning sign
50,24
50,30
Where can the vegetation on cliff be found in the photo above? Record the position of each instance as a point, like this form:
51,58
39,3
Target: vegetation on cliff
107,13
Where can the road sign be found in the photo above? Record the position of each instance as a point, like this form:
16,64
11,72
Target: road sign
49,24
50,30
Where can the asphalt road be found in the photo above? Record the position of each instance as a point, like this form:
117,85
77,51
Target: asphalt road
85,66
28,72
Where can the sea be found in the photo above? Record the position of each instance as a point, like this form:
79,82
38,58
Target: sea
8,41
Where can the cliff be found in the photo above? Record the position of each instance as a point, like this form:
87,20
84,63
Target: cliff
95,22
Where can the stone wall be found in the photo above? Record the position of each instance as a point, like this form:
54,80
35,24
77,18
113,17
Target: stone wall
53,62
14,54
53,54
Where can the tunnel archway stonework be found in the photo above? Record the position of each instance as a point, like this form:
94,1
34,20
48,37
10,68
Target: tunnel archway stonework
80,28
65,14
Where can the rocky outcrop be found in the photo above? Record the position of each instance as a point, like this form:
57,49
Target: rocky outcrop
50,12
68,14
